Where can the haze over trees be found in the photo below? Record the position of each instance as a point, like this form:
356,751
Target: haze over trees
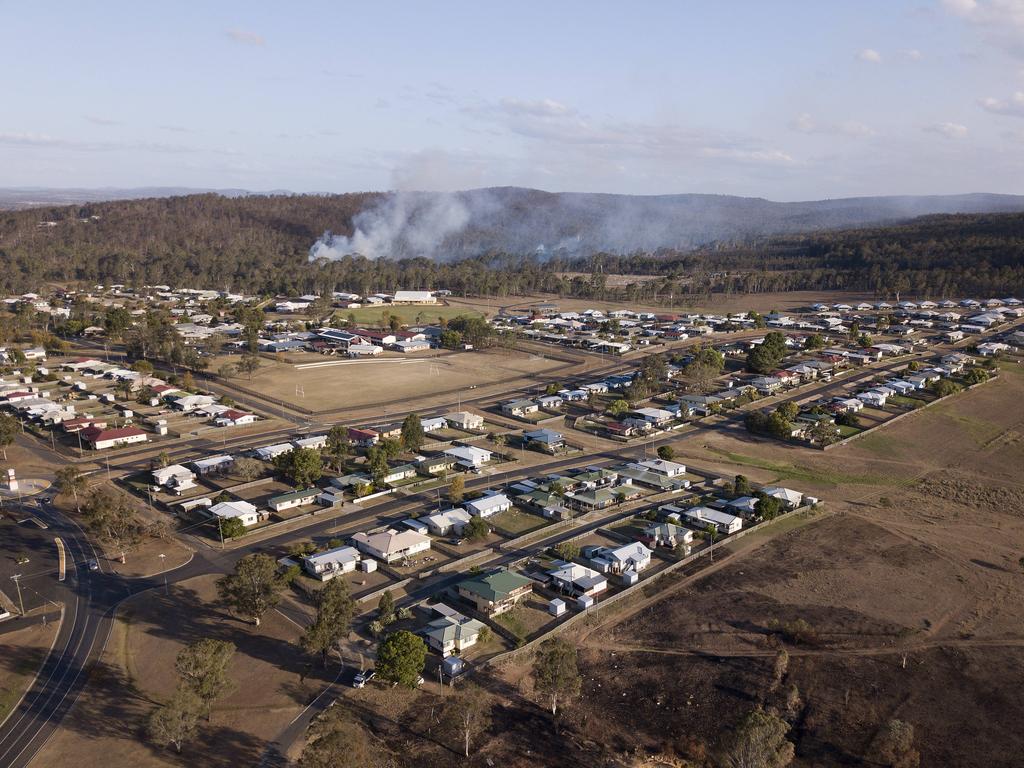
262,244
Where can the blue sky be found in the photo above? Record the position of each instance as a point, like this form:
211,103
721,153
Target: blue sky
784,100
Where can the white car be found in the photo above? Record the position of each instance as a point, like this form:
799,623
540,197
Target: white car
362,678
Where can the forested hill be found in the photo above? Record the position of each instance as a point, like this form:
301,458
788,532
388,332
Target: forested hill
931,256
261,243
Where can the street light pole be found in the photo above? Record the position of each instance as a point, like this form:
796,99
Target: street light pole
16,578
162,556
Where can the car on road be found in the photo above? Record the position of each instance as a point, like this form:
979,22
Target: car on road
362,678
456,541
92,565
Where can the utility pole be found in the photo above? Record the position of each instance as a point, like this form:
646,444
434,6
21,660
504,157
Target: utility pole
162,556
16,578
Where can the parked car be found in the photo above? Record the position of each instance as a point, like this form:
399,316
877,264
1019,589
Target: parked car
362,678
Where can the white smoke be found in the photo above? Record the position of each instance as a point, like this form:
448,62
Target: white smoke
404,224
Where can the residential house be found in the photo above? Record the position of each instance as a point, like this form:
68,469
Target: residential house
661,467
100,439
667,535
451,521
174,479
271,452
790,499
212,464
464,420
722,522
577,580
391,545
363,438
235,510
519,407
316,442
433,424
634,557
495,593
451,632
469,456
293,499
546,439
486,506
233,418
334,562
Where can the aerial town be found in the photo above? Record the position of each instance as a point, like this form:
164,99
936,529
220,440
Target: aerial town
512,385
473,521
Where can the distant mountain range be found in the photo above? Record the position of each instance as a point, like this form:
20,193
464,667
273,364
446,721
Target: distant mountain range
517,220
18,198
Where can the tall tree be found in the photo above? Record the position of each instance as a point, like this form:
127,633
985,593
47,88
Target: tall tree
468,714
71,481
412,432
9,429
334,610
400,658
456,489
203,669
175,722
556,672
760,742
109,512
254,587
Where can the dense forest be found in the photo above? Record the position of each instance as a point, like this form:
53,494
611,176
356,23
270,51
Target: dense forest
261,244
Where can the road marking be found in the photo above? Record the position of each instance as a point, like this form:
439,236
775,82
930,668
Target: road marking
61,559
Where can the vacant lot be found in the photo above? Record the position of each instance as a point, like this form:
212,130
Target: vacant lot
273,680
21,654
351,384
425,314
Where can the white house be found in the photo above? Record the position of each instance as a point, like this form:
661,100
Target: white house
451,632
316,442
333,562
294,499
391,545
213,464
447,522
469,455
413,297
464,420
722,522
189,403
488,505
100,439
872,398
654,416
790,499
271,452
174,478
234,418
661,467
433,424
630,557
576,579
238,510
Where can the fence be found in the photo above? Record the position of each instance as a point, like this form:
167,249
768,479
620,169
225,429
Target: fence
630,591
896,418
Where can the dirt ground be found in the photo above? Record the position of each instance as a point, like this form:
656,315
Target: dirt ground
718,302
355,383
273,681
21,654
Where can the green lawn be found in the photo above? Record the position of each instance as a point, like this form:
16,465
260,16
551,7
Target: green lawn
847,431
410,315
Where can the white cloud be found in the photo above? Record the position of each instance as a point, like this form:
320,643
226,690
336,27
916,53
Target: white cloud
1013,106
804,123
245,36
870,55
912,54
42,140
1000,21
949,130
536,108
105,121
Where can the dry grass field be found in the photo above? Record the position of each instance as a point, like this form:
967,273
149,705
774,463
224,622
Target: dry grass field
358,383
273,681
21,654
719,302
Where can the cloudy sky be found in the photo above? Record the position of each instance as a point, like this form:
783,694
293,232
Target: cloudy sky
783,99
